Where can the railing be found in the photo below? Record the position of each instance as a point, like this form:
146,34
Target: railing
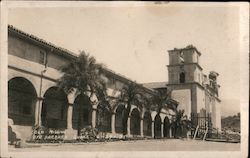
204,124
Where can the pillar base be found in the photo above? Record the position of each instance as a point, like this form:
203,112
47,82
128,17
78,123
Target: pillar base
70,134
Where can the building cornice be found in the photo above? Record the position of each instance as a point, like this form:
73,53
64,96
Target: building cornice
188,83
178,65
199,85
187,48
32,73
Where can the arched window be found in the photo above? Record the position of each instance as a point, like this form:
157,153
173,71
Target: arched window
22,99
166,127
103,119
135,122
157,126
82,113
182,77
119,119
147,122
54,108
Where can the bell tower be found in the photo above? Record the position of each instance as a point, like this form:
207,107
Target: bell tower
196,92
185,79
184,66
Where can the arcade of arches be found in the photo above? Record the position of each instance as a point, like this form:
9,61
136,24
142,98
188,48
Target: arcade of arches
53,111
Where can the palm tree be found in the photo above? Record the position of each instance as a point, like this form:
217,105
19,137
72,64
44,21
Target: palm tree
103,107
83,75
181,124
162,99
130,95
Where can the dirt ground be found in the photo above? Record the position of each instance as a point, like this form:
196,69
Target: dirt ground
139,145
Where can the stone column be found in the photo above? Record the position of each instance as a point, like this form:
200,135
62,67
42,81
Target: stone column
141,128
153,129
162,130
113,123
170,132
69,118
71,99
70,133
128,126
93,118
37,112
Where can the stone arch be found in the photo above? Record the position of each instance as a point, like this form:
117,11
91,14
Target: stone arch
34,80
153,114
135,122
166,129
116,106
54,108
147,124
103,118
119,112
22,99
82,112
157,126
46,84
134,107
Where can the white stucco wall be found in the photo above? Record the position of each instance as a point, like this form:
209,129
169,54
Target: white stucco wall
208,103
184,99
200,99
216,114
198,75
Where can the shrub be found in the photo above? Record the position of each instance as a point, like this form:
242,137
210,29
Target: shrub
88,134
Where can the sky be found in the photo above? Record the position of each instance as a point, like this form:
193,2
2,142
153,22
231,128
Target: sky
134,40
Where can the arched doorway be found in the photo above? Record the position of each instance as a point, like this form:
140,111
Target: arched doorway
118,119
147,124
166,127
22,99
103,118
157,127
82,113
135,122
54,109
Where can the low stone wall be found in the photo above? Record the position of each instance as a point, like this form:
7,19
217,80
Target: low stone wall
18,131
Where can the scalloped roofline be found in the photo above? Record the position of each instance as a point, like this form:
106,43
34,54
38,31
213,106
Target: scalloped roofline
186,48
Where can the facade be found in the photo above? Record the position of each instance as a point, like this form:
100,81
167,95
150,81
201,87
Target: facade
196,92
35,100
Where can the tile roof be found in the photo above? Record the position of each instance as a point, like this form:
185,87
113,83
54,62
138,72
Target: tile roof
155,85
41,41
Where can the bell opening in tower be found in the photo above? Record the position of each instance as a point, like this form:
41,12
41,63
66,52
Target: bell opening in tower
182,77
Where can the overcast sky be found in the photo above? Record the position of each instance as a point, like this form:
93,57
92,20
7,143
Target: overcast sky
133,41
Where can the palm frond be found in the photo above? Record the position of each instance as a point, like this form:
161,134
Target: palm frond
82,74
